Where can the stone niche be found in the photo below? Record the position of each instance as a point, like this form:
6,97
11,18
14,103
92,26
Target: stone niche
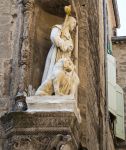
47,13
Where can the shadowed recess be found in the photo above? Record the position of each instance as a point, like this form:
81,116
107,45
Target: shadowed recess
55,7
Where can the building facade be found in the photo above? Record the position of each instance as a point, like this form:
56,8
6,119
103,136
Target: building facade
24,44
119,46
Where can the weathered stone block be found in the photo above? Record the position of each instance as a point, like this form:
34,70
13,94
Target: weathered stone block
39,130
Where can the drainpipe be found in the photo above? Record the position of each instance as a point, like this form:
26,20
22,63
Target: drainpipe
106,70
116,13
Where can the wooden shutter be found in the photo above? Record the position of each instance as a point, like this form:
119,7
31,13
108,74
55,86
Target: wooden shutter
120,129
111,76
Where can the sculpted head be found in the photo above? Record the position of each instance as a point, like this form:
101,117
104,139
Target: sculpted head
66,64
71,23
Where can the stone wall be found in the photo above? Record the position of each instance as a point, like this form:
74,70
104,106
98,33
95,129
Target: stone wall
6,50
24,32
33,27
119,52
92,100
111,18
6,37
91,92
91,73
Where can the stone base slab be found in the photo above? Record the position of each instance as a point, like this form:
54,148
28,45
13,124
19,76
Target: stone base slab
53,104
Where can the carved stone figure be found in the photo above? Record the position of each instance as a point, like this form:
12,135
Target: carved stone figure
61,142
62,81
59,77
62,44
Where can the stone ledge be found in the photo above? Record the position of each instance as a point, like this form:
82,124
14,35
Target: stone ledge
37,119
51,103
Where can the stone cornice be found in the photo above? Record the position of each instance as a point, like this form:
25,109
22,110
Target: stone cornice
39,129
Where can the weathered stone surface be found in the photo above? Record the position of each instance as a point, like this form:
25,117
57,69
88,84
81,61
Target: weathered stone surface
91,74
25,40
36,130
119,52
53,103
5,53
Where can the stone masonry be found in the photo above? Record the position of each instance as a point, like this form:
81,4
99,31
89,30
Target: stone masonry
19,36
6,11
119,52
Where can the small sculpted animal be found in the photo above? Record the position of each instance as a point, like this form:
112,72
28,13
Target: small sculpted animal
62,81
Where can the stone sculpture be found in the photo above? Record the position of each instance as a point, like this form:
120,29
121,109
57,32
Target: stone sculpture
61,142
62,81
62,44
59,77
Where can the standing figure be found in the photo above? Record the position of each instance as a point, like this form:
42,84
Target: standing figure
62,44
59,77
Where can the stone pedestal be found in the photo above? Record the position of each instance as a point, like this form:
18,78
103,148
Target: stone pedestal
47,124
53,104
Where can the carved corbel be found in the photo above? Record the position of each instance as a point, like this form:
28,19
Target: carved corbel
61,142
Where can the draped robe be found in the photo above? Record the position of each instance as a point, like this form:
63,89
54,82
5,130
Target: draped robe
61,48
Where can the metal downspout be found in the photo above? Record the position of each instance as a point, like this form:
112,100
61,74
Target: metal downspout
106,70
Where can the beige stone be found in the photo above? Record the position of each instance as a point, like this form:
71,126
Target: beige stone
53,104
63,80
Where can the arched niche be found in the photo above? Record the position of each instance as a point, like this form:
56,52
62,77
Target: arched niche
47,13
